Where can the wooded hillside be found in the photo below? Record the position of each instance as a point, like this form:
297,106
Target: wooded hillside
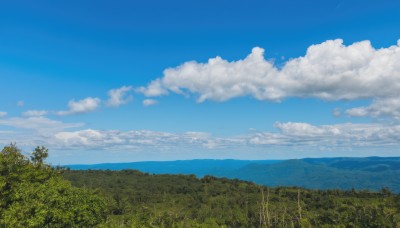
34,194
186,201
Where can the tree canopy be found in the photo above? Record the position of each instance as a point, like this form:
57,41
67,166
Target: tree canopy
147,200
33,194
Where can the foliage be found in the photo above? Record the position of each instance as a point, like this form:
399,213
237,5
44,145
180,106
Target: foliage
145,200
33,194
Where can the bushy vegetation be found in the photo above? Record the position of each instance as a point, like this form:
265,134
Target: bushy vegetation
145,200
33,194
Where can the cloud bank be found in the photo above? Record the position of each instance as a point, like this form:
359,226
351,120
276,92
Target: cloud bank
328,71
294,135
137,140
38,123
31,113
330,136
291,135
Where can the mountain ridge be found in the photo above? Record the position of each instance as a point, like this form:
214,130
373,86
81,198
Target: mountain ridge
372,173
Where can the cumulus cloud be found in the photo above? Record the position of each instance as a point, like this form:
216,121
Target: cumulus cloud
149,102
86,105
3,114
379,107
31,113
155,88
118,97
328,71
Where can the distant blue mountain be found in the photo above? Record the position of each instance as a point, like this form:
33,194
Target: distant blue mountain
198,167
371,173
362,164
327,173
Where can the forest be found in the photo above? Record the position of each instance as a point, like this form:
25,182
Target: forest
35,194
346,173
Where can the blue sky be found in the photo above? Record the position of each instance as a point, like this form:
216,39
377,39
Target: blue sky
107,81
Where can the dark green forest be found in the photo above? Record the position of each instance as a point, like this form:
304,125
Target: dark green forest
34,194
185,201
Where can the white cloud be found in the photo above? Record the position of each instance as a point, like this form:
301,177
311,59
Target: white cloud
328,71
88,104
379,107
136,140
155,88
3,114
305,129
359,111
33,131
118,97
149,102
333,136
38,123
30,113
293,136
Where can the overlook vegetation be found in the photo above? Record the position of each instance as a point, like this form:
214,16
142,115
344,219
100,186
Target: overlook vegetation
34,194
146,200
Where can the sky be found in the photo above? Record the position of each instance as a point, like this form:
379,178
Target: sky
122,81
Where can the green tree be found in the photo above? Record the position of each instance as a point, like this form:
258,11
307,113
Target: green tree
39,155
33,194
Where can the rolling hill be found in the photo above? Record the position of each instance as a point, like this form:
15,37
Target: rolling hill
372,173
